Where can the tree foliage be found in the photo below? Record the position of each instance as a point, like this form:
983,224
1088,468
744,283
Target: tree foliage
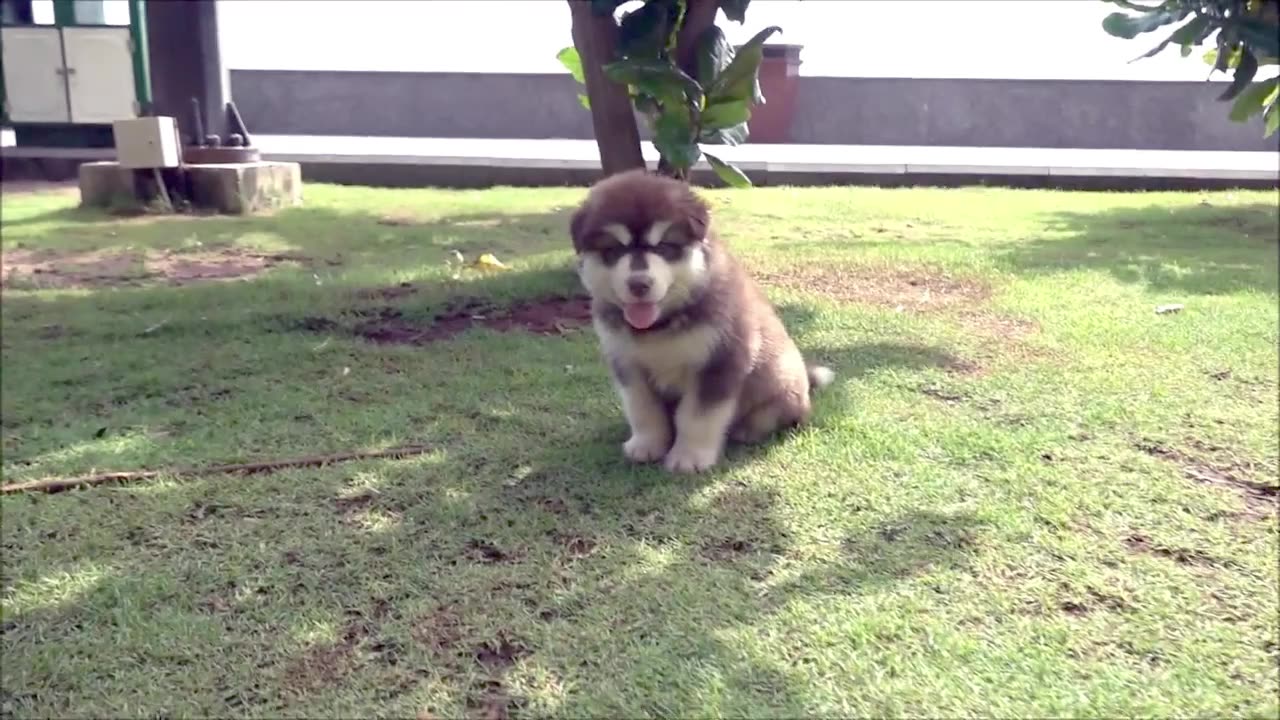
1245,36
687,82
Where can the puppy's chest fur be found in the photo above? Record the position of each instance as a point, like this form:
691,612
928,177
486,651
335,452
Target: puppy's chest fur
669,361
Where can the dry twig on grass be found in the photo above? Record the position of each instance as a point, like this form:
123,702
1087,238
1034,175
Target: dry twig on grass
53,485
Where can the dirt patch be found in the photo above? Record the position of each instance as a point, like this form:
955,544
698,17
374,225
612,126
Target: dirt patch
548,316
354,502
1260,500
942,395
482,551
987,323
501,653
575,546
918,289
553,505
441,630
399,220
392,292
1096,600
1183,556
490,700
728,549
325,666
113,268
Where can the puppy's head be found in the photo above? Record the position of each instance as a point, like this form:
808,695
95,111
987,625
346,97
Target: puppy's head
641,241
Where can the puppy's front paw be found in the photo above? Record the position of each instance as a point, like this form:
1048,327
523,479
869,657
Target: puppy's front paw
645,448
685,458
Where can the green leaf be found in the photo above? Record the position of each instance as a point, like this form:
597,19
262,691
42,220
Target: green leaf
659,78
1184,36
584,101
725,115
1273,120
1254,100
1129,27
1133,6
605,7
1262,38
673,137
740,80
646,104
677,20
569,58
735,10
643,33
728,173
735,135
713,52
1244,75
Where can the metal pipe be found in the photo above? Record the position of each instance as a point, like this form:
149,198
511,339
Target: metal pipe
196,119
237,123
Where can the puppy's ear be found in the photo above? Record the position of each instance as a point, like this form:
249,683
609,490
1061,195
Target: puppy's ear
578,227
697,217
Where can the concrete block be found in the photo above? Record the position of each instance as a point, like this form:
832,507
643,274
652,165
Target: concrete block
245,188
107,185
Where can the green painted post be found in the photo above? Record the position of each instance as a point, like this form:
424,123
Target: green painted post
64,12
141,56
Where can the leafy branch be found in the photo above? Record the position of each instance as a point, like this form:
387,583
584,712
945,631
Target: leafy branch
706,100
1246,38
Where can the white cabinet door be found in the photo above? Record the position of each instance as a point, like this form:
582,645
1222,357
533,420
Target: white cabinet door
34,86
99,74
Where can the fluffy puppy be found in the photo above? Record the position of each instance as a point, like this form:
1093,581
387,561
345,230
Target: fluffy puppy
697,353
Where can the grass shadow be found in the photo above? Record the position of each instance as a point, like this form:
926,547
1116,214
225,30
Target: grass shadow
1202,250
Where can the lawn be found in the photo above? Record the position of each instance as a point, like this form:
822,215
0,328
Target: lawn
1026,494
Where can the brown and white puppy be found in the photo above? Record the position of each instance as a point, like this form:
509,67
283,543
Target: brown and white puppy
696,351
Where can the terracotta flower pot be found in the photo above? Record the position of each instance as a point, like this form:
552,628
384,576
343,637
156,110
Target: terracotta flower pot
779,79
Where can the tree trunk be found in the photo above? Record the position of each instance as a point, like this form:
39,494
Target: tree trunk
612,116
698,16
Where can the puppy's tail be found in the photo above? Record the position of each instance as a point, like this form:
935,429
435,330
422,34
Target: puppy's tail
820,376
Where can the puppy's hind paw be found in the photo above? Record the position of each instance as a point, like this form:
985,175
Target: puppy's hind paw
644,448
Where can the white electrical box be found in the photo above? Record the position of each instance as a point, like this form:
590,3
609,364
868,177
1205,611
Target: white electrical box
147,142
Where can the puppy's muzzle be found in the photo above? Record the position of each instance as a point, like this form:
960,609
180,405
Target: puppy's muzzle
640,286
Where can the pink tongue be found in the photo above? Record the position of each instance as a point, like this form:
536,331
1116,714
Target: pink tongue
640,315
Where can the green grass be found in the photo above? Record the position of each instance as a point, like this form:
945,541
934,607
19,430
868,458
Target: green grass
995,511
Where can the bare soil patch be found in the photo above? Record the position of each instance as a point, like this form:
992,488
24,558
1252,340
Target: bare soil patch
483,551
501,653
915,289
440,630
1139,543
326,665
727,549
575,546
113,268
491,700
547,316
1260,500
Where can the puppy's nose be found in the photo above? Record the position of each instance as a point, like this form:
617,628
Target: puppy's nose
639,286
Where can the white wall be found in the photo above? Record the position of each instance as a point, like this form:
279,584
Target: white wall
1032,39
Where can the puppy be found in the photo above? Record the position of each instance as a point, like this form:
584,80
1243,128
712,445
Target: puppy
696,352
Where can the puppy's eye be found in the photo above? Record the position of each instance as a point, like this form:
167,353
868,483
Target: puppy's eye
669,250
613,254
